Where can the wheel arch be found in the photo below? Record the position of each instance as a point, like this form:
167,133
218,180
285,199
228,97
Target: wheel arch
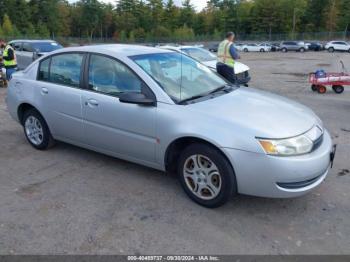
22,108
174,149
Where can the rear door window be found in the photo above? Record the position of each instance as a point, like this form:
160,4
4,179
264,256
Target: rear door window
44,70
63,69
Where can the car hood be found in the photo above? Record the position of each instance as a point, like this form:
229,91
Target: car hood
239,67
260,113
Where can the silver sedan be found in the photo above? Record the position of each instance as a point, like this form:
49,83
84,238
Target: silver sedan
164,110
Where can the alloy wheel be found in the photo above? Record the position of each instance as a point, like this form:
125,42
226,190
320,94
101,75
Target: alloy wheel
202,177
34,130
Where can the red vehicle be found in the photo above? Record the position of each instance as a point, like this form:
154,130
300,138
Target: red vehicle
336,80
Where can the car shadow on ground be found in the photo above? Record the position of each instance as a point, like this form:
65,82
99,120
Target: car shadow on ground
170,183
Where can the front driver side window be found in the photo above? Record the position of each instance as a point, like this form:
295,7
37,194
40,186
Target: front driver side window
109,76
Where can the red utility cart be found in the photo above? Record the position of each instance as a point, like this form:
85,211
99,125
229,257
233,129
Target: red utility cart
336,80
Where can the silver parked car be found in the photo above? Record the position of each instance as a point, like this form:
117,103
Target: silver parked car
293,46
164,110
29,50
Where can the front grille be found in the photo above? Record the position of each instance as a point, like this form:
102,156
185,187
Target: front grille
300,184
315,134
317,143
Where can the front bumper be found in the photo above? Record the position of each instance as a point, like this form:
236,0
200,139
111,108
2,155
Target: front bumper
280,177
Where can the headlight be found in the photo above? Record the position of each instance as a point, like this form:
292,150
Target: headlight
287,147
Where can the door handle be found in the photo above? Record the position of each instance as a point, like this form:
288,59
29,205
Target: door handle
91,102
44,90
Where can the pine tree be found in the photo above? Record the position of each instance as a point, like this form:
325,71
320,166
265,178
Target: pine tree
7,27
344,16
332,16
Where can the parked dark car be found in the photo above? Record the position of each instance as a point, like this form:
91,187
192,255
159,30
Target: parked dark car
213,48
29,50
275,47
314,46
293,46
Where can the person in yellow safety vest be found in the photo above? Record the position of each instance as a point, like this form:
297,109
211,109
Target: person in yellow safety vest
227,55
9,58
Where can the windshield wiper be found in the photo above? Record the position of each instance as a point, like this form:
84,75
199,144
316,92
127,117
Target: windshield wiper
192,98
226,88
221,88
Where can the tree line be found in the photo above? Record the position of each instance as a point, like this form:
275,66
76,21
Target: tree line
132,20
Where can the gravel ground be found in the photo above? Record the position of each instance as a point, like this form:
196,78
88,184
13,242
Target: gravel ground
72,201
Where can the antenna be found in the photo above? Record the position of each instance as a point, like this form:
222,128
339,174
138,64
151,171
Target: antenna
181,54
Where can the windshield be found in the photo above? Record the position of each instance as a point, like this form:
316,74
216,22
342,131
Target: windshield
180,76
199,54
46,46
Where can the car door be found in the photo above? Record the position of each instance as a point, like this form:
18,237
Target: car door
254,47
26,54
293,46
125,130
342,46
59,95
337,46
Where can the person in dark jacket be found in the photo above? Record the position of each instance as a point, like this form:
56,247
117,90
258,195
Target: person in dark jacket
227,55
9,59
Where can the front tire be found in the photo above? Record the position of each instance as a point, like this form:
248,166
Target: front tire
245,50
284,50
322,89
302,50
36,130
331,50
206,175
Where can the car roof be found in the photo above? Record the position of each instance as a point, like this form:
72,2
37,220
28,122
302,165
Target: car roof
32,41
119,49
179,47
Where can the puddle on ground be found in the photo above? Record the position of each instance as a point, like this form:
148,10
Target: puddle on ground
291,74
343,172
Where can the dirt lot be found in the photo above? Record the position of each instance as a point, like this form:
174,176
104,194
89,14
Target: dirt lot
70,200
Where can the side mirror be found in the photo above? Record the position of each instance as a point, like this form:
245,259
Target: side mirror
136,98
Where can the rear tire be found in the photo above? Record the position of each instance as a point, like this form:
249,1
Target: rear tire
262,50
314,88
302,50
36,130
206,175
322,89
284,50
245,50
338,89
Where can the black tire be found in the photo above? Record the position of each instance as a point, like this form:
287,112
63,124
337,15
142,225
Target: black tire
47,140
284,50
262,50
302,50
349,50
338,89
314,88
331,50
245,50
227,176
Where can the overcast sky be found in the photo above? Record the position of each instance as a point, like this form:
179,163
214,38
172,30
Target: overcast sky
199,4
